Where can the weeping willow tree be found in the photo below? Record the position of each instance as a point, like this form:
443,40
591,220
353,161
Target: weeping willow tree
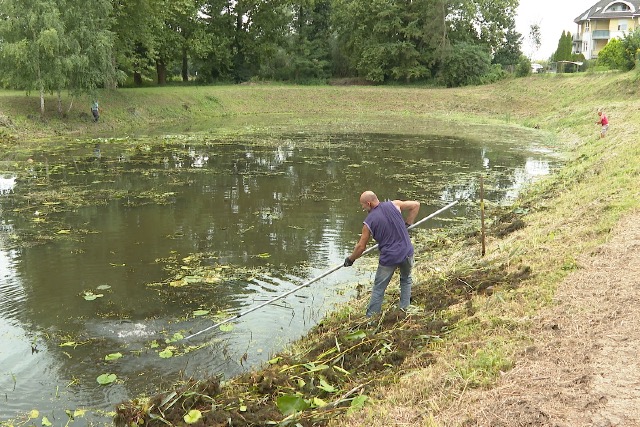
53,45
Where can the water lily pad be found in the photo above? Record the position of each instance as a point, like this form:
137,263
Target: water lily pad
90,296
290,403
227,327
105,379
201,312
193,416
113,356
176,337
103,287
166,353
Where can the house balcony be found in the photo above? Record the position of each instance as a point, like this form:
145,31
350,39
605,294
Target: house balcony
577,38
600,35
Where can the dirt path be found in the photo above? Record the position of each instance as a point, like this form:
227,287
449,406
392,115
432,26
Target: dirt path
584,368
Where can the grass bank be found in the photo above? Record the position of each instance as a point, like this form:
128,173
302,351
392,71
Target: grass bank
475,312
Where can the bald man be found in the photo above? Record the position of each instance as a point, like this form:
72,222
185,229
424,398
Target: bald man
387,225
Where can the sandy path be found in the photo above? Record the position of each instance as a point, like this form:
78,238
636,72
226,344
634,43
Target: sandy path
584,368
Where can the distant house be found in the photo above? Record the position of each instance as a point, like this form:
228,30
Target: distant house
605,20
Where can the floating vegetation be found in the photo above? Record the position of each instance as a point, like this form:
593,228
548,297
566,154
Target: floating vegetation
113,356
197,313
331,371
106,379
90,296
227,327
62,196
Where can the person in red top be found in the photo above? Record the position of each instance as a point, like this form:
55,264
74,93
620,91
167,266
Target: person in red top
604,122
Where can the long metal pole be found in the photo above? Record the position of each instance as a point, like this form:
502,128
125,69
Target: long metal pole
308,282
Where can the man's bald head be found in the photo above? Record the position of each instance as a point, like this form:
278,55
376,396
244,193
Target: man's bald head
368,200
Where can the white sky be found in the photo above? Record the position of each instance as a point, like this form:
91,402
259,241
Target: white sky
553,16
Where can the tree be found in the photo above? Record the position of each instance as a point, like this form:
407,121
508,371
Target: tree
509,50
523,68
391,40
465,65
180,34
613,56
55,45
32,32
565,48
408,40
215,52
631,45
258,31
310,42
137,24
535,39
89,45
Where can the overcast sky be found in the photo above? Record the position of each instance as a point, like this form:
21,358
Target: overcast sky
553,16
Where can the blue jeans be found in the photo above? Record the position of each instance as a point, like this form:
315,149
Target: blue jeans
381,281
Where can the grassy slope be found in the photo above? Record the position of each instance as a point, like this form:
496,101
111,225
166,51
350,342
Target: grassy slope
568,214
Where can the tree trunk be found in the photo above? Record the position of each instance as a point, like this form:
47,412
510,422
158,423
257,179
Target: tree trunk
161,70
60,102
41,102
137,78
185,65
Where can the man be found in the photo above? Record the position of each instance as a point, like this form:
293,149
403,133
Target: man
385,223
604,121
95,111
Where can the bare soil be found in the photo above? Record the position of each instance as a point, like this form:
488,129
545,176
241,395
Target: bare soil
583,368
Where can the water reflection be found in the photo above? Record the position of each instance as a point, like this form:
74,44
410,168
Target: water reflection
268,215
7,184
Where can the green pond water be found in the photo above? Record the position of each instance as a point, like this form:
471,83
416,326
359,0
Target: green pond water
118,248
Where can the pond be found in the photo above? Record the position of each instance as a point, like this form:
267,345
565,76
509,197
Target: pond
114,250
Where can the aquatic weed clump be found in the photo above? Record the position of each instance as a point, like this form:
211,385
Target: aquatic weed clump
335,368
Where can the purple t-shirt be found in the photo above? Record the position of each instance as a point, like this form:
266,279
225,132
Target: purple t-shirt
386,224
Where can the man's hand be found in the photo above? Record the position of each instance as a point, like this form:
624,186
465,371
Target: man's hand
348,262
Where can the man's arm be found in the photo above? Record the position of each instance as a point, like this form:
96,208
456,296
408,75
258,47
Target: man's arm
360,246
408,207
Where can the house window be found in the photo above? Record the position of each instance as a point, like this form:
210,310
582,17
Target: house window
622,26
618,7
586,26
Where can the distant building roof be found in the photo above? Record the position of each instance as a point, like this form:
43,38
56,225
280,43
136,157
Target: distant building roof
611,9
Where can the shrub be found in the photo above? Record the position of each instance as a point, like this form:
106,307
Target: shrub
465,65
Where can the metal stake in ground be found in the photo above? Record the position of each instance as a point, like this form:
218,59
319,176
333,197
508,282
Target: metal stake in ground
315,279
